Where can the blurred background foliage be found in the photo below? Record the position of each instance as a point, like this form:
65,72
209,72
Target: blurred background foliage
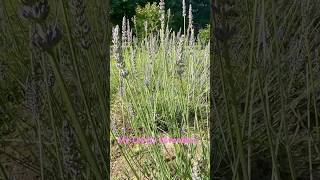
150,14
128,8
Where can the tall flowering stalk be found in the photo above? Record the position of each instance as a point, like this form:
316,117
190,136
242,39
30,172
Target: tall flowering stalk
146,31
34,103
82,24
167,30
168,18
190,27
192,38
82,34
129,33
71,157
124,32
190,20
151,53
43,38
134,19
133,59
117,51
180,63
184,14
162,18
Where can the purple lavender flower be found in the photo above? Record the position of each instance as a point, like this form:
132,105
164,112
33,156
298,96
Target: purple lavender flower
82,24
38,12
45,39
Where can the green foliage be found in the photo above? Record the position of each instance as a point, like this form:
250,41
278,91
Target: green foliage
150,14
201,11
204,34
120,8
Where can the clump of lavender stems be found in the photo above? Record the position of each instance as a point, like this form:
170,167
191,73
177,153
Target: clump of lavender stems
83,27
71,160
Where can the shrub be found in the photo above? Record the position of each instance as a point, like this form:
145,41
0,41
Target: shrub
150,14
204,34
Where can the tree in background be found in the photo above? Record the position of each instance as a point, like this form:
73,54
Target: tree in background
200,10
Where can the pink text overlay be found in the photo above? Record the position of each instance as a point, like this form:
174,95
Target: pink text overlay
152,140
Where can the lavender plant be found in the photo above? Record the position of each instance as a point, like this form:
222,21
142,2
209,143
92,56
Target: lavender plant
57,102
83,26
167,93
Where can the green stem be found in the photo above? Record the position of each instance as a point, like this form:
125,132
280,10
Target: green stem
3,171
86,150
